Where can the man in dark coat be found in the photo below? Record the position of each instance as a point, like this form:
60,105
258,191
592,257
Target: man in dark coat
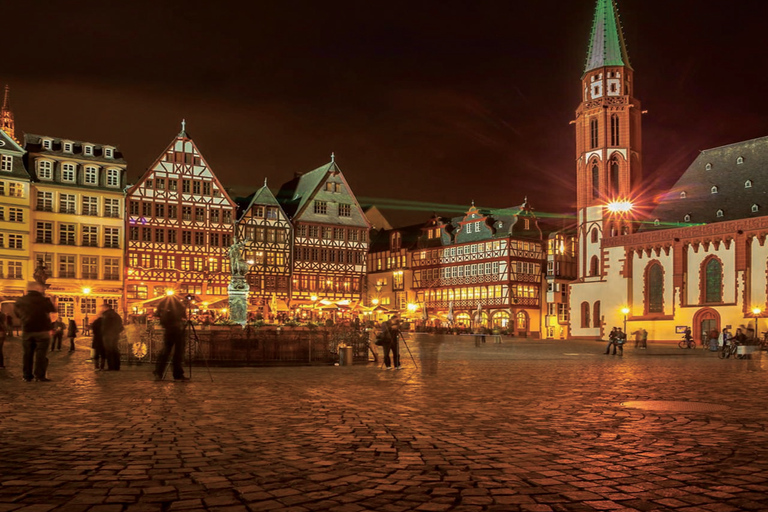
34,309
390,332
172,314
111,327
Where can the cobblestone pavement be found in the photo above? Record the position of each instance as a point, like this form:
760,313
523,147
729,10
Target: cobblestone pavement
525,425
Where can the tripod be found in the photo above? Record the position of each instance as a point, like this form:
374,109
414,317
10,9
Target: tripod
400,335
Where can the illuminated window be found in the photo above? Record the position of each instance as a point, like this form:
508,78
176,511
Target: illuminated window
45,170
712,279
321,207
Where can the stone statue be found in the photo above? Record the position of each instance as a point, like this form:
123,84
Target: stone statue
238,265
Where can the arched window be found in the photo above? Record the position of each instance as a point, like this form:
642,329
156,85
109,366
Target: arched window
714,190
593,133
593,235
595,180
712,280
719,213
615,130
755,208
614,176
748,184
594,266
683,195
596,314
740,160
654,288
585,314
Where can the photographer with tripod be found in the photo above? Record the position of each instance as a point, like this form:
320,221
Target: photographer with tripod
172,314
390,334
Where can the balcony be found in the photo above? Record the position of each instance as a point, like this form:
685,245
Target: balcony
44,207
67,275
90,275
67,210
111,277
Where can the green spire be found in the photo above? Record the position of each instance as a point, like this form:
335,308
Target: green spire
606,44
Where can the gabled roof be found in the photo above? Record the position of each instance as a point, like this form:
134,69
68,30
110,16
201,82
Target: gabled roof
263,196
695,195
295,194
606,43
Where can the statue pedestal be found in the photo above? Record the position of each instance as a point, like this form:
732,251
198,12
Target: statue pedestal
238,300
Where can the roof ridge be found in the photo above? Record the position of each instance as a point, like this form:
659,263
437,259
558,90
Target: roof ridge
734,144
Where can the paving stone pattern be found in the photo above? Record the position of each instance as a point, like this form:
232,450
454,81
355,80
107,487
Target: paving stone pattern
525,425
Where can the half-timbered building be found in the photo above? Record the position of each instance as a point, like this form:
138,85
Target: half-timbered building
268,235
330,237
179,226
483,268
77,225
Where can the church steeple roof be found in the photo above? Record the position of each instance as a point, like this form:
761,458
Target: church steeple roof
606,44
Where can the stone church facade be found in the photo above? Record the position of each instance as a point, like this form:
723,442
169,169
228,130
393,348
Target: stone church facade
700,259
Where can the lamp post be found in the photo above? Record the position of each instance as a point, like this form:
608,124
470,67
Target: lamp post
86,292
625,310
756,312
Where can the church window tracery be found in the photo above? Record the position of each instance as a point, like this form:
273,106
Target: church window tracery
595,181
593,133
615,133
711,278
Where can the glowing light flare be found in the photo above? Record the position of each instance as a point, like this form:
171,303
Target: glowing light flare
625,310
756,311
619,206
86,291
169,292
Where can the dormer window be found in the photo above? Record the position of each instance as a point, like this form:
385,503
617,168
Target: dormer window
68,172
47,143
740,160
719,213
687,218
709,167
68,147
109,153
88,150
748,184
755,208
682,195
714,190
656,222
45,170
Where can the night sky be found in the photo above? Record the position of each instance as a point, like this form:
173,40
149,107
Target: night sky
431,101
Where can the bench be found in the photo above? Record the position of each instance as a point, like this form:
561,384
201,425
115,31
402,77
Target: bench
480,338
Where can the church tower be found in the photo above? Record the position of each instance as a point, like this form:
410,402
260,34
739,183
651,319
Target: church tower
6,116
608,140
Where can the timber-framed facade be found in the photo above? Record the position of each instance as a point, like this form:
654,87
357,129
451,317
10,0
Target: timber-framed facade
179,227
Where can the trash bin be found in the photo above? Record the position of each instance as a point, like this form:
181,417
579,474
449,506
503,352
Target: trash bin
345,355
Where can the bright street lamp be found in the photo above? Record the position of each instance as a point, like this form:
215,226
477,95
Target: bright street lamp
619,206
756,312
86,292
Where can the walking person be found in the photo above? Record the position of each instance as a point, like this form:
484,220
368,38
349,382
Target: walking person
34,310
621,339
390,332
72,333
111,327
98,351
644,339
611,342
58,334
171,313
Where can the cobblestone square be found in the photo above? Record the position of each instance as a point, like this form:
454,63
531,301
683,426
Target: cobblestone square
524,425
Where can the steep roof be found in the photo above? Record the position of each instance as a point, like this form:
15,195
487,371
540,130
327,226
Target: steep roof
409,236
294,194
731,179
606,43
9,146
263,196
34,144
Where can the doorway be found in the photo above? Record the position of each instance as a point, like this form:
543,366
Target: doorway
705,321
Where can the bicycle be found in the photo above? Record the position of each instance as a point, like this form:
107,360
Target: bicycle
729,348
687,343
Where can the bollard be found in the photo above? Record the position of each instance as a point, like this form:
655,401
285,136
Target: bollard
345,355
